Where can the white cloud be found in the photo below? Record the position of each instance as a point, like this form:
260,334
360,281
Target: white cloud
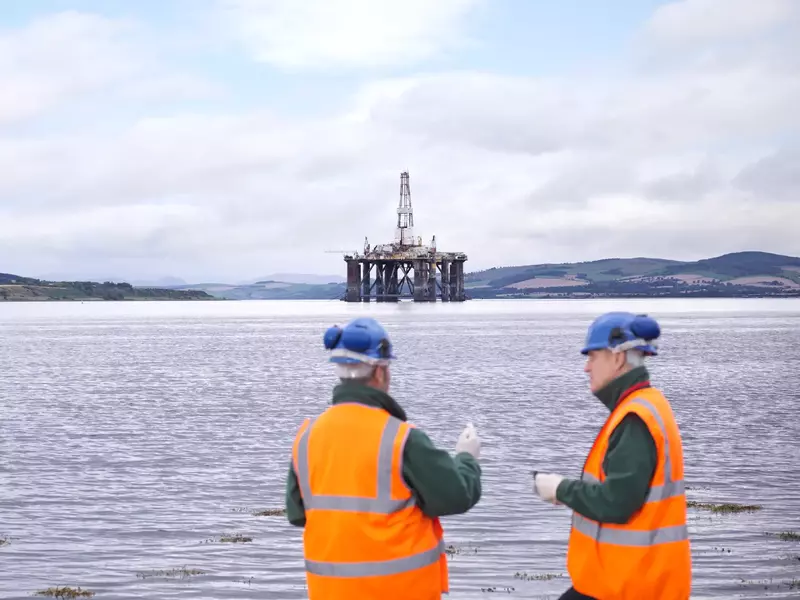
321,34
69,56
774,176
57,58
690,159
717,35
693,21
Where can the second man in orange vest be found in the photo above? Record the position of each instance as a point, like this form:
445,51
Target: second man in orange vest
628,539
369,487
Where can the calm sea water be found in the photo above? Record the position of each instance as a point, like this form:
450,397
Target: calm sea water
134,435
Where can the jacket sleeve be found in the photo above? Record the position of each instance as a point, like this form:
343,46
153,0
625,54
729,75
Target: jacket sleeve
295,511
629,465
443,484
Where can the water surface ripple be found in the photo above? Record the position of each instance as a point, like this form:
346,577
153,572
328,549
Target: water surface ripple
134,435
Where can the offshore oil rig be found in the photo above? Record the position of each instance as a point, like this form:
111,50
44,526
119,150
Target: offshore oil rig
405,268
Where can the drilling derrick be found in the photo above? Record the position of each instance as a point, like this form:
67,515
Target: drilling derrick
405,268
404,234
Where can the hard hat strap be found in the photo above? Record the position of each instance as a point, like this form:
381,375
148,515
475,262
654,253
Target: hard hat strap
345,353
631,344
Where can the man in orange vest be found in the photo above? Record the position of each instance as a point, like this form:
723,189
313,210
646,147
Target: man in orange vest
628,539
369,487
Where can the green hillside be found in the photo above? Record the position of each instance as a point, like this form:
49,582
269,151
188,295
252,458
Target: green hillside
738,274
272,290
731,275
607,269
17,288
741,264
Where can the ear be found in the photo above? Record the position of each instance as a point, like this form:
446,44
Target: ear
385,375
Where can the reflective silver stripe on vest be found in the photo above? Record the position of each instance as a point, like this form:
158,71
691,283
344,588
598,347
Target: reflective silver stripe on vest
377,568
626,537
669,489
382,503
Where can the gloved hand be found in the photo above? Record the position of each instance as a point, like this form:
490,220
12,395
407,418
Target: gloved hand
469,441
545,485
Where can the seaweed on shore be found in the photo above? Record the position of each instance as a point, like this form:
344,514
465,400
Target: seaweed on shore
65,592
266,512
235,538
182,572
771,583
228,538
270,512
786,536
537,576
452,549
724,507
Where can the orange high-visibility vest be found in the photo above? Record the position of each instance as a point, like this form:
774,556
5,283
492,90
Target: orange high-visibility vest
365,538
649,556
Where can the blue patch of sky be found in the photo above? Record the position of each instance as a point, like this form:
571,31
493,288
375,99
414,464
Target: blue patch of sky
511,37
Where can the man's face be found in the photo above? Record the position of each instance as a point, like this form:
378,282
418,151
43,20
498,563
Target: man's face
603,366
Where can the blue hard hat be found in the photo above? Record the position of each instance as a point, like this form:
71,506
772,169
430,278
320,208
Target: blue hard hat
362,340
621,331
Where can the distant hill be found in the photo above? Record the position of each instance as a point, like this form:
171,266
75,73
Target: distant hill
9,278
17,288
303,278
735,274
739,274
271,290
162,282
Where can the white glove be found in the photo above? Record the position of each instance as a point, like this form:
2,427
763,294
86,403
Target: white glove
469,441
545,485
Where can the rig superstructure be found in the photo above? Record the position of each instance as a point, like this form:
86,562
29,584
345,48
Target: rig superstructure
405,268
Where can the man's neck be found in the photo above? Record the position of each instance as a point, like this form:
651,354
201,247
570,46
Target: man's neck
618,388
351,391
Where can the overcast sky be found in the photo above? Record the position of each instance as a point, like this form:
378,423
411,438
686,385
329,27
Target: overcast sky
231,139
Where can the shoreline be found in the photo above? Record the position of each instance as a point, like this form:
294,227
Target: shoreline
409,299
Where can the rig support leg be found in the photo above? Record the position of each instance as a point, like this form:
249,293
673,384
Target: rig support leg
353,293
460,295
392,288
445,269
420,280
431,282
380,281
365,282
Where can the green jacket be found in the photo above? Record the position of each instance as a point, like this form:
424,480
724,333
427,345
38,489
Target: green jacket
442,484
629,463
